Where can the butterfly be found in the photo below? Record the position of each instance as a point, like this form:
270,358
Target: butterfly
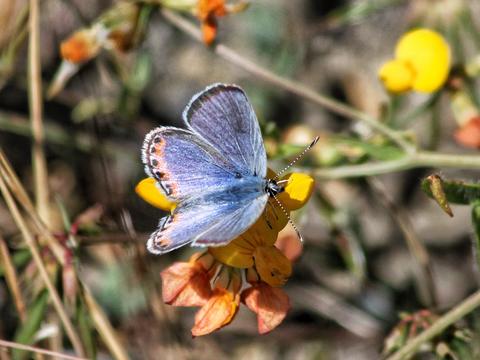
214,170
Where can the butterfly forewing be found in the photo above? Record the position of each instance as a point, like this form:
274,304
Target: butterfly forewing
223,116
182,163
215,171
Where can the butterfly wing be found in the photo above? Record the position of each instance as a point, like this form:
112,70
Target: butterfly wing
183,164
223,116
211,219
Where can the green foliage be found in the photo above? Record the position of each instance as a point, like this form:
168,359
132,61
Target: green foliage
86,330
26,332
456,192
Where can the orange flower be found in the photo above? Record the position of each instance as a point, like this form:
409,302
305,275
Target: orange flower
255,253
188,283
113,30
209,10
469,134
270,304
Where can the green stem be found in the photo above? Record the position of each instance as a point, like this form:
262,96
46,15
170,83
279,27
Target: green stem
415,160
458,312
287,84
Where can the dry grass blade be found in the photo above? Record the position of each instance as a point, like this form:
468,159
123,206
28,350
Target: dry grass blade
22,197
102,324
29,239
419,254
35,96
12,279
333,307
54,354
104,327
4,355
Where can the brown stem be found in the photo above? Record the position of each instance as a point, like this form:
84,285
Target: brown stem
54,354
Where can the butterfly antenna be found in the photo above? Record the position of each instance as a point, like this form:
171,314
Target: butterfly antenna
289,218
298,157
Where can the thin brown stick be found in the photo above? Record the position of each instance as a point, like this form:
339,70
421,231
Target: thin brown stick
29,239
56,355
35,97
104,327
287,84
12,280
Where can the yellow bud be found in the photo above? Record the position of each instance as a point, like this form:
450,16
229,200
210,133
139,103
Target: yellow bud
397,76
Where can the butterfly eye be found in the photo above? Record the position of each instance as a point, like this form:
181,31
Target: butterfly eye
238,175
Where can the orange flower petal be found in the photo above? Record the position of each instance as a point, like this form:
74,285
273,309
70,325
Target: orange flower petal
270,304
289,243
219,311
210,8
185,284
209,30
273,267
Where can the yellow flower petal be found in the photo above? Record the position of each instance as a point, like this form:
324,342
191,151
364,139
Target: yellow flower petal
429,55
397,76
239,252
149,192
297,192
272,266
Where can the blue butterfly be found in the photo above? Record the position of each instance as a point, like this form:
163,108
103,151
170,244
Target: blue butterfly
215,171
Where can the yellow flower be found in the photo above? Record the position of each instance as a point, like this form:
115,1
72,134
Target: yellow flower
265,266
422,63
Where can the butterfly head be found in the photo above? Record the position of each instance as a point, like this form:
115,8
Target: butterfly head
273,188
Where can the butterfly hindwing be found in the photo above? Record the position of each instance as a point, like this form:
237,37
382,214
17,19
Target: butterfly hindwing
223,116
210,219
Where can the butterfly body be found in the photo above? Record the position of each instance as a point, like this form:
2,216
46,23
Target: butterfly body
215,171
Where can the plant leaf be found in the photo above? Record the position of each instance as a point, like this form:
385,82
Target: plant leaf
456,192
26,332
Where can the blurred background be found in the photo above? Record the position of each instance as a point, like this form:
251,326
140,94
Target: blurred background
359,269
